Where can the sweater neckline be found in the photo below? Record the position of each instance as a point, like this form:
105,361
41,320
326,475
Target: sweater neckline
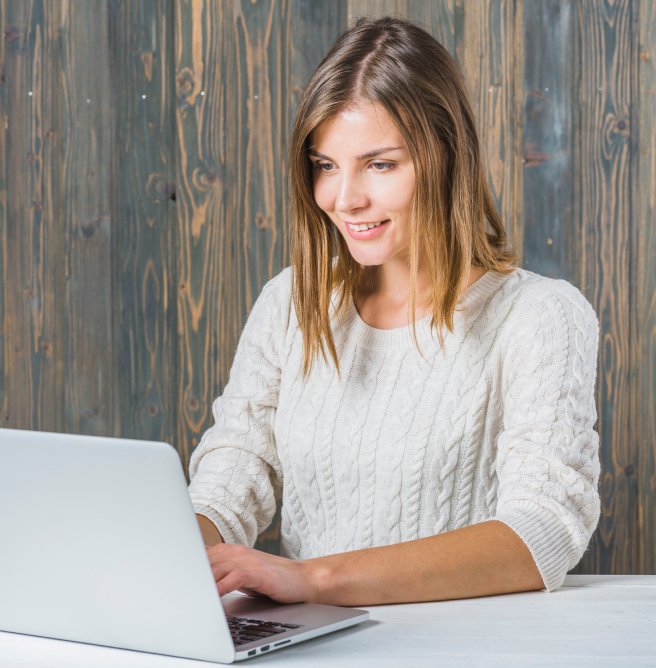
401,337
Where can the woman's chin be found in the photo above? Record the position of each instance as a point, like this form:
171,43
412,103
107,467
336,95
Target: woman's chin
368,261
369,257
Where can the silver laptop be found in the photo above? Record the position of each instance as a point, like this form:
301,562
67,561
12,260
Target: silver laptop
99,544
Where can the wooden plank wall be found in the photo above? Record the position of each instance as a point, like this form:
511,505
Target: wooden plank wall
143,201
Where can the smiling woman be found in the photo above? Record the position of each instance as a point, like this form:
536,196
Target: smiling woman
367,194
421,408
393,109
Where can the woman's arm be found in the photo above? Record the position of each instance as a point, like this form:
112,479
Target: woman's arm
478,560
235,473
210,533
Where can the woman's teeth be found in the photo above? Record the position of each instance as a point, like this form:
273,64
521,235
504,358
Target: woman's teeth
363,227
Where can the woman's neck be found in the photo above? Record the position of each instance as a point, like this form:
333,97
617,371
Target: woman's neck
382,299
391,282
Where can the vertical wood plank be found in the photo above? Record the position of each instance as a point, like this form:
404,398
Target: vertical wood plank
376,9
440,19
552,234
3,221
261,31
144,210
603,58
87,101
231,119
34,245
644,316
314,27
492,64
210,268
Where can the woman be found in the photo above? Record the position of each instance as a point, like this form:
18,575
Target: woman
423,408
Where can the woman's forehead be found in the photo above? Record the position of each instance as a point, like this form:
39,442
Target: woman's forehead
357,126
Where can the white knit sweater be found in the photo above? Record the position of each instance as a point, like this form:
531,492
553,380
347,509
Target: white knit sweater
497,425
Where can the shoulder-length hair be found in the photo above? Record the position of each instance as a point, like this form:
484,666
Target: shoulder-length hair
400,67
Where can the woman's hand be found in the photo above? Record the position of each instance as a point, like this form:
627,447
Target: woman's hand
258,573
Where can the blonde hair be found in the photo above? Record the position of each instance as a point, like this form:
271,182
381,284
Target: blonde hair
402,68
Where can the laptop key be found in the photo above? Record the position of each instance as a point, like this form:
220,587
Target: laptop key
244,630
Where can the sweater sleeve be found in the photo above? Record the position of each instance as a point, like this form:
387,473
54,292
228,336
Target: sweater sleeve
547,453
235,472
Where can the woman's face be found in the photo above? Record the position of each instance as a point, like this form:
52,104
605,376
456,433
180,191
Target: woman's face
363,175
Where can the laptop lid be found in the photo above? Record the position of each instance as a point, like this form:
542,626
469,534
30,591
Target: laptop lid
99,544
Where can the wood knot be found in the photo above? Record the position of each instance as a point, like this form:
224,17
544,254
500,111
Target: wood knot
202,179
88,229
11,34
533,157
184,83
159,188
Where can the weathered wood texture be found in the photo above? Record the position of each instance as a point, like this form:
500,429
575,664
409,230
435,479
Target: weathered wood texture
605,56
33,245
550,240
492,65
3,223
143,197
643,316
86,110
143,201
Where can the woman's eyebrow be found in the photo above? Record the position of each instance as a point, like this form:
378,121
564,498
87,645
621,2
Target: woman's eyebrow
364,156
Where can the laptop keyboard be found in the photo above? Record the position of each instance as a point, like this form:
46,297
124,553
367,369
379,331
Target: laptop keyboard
245,630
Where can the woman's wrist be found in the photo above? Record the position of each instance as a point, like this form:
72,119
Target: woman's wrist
319,577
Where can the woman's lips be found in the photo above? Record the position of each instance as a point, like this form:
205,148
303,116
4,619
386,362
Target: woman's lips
371,233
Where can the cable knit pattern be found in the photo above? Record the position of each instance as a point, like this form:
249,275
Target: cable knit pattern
499,424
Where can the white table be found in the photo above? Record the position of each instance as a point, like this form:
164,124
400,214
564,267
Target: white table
593,620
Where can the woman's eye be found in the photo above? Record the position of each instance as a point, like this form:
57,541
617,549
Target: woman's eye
381,166
323,166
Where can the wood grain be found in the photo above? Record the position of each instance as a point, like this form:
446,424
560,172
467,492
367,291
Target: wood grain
203,45
443,19
492,63
144,206
643,344
34,239
376,9
551,236
232,119
86,187
603,58
4,279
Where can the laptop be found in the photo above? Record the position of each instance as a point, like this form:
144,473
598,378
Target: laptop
99,544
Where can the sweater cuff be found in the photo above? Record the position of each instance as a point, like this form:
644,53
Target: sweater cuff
548,541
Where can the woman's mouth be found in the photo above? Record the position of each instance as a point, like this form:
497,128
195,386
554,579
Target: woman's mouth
366,230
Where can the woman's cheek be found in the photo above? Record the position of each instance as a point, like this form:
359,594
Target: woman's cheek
321,197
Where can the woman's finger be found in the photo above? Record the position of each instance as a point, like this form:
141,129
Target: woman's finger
231,582
220,570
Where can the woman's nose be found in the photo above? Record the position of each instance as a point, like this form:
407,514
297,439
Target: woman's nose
351,194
